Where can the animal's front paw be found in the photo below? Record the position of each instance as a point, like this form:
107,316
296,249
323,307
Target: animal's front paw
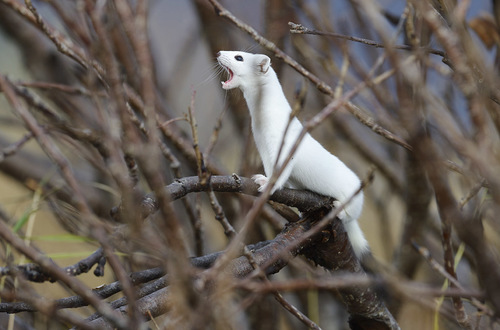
261,180
342,214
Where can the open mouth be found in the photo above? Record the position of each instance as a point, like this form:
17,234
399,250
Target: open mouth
230,73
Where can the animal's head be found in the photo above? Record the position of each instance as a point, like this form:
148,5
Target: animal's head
244,69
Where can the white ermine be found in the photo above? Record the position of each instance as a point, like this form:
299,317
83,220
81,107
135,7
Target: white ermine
312,166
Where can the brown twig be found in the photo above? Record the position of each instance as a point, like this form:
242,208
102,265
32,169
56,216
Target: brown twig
59,87
424,252
56,273
300,29
15,147
56,155
64,45
34,273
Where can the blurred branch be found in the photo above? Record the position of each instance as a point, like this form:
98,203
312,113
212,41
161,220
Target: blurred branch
274,255
58,274
365,307
15,147
34,273
105,133
424,252
64,45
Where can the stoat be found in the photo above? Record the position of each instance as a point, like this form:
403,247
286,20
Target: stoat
312,166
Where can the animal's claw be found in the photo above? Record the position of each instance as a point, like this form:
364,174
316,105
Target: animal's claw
261,180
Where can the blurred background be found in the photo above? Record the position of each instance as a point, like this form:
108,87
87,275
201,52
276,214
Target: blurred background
453,101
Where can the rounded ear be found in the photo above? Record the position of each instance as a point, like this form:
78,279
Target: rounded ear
264,63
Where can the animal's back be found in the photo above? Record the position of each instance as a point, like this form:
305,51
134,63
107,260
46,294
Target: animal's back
316,169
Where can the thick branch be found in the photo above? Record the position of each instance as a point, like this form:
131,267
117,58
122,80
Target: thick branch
330,248
302,200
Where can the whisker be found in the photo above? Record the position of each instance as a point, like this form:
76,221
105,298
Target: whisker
210,74
251,48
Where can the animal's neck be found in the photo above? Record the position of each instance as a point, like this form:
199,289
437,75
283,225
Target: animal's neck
267,103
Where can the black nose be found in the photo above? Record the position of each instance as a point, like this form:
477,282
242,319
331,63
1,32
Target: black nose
218,54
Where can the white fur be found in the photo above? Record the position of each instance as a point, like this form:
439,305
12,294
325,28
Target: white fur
312,167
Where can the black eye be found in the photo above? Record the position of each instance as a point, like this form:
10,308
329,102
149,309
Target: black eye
239,58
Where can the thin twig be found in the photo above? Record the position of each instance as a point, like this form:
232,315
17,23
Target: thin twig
15,147
300,29
424,252
64,45
55,272
59,87
51,149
